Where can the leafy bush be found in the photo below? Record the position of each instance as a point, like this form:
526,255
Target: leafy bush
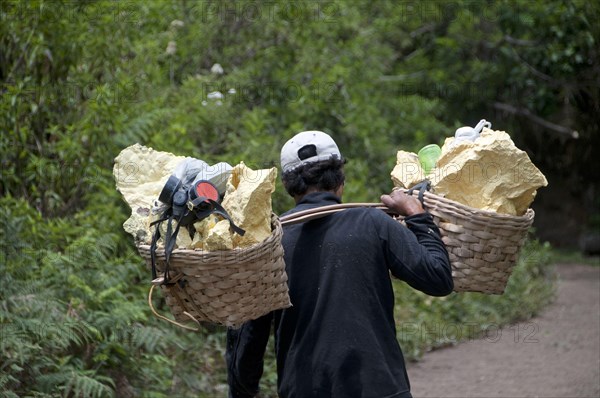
75,323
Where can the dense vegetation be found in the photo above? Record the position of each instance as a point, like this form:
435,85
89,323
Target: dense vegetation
83,80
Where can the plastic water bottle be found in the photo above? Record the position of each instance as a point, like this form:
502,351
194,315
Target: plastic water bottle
482,123
470,133
465,134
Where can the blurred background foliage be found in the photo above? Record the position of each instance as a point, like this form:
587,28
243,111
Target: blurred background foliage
82,80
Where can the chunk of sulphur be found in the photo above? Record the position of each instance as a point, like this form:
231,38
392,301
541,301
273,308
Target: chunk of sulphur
490,173
248,202
140,174
408,171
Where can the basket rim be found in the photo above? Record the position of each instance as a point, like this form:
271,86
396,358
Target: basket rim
275,232
529,214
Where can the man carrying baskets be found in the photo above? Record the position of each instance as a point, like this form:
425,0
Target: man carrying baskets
339,337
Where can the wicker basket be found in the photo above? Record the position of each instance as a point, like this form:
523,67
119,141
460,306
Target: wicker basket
483,245
225,287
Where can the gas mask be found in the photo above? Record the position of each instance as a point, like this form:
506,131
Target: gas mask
186,201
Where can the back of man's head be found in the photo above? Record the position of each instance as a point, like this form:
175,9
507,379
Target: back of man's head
311,161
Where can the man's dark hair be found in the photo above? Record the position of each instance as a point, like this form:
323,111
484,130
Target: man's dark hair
327,175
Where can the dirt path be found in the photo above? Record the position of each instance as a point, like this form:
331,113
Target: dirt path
556,354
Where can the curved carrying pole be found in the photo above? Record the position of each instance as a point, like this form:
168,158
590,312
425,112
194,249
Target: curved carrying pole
318,212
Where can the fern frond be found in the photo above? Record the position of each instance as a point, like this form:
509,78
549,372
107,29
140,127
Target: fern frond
78,383
138,129
146,337
5,381
88,384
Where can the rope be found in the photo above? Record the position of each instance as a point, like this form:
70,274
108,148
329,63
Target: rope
156,314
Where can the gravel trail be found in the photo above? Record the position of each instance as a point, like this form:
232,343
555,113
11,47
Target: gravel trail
556,354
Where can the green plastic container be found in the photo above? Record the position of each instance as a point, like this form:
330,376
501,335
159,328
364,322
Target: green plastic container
428,156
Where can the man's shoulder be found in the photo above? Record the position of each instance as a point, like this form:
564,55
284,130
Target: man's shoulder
366,215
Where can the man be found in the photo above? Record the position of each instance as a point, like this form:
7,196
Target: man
339,337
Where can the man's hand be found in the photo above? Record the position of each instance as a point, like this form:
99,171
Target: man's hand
404,204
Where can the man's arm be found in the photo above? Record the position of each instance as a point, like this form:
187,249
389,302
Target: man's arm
420,258
245,352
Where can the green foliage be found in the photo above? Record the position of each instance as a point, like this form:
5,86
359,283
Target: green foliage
74,321
567,256
80,81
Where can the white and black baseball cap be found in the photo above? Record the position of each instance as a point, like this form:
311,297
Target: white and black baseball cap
308,147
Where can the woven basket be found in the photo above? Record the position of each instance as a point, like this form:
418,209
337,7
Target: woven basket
225,287
483,245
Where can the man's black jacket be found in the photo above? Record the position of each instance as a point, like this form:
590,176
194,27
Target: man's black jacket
339,337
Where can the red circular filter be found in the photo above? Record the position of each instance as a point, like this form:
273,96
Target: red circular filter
207,190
